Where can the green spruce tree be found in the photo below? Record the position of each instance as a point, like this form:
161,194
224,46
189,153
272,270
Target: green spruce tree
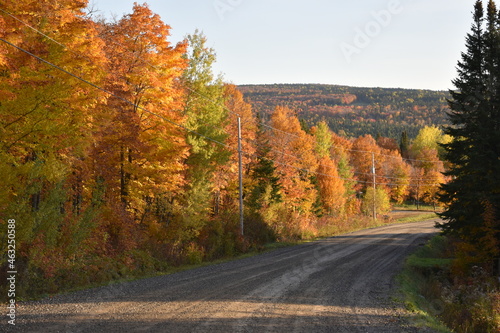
266,189
473,194
404,145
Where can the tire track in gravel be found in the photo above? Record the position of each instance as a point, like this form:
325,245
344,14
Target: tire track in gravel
339,284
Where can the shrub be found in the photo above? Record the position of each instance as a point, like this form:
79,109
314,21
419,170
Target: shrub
382,201
466,300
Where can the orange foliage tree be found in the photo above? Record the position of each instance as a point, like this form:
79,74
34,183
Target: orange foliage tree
331,187
430,175
398,176
226,175
48,120
141,148
293,153
363,150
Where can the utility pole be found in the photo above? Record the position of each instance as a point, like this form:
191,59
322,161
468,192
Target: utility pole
374,188
240,176
418,193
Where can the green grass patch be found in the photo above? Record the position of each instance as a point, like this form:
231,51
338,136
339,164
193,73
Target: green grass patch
424,263
436,292
420,298
417,218
411,206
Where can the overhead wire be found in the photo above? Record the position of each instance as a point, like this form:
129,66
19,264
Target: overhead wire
211,100
80,55
111,93
166,119
184,127
169,121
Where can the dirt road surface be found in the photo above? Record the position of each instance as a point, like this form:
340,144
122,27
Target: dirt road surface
340,284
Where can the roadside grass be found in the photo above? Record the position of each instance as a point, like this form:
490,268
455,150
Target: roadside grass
415,207
438,294
416,218
420,296
357,223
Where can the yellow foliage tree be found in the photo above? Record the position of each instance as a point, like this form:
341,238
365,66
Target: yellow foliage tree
332,190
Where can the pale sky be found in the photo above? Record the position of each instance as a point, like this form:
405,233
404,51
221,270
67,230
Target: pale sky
363,43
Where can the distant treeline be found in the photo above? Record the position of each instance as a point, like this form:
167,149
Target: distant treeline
354,111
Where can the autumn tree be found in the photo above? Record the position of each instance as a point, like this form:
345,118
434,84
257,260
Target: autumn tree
207,120
332,192
340,152
432,177
141,149
47,121
387,143
331,187
226,175
323,138
293,154
429,137
398,176
376,199
364,149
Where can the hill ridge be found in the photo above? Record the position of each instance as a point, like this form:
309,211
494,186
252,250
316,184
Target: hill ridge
354,111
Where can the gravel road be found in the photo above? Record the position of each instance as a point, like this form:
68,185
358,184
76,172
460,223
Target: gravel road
340,284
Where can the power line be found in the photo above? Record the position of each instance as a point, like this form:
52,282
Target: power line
209,99
199,94
112,94
164,118
205,97
98,87
80,55
167,120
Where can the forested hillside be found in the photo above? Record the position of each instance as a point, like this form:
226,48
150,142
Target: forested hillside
354,111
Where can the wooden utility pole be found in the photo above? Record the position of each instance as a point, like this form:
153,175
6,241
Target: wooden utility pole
418,193
240,176
374,188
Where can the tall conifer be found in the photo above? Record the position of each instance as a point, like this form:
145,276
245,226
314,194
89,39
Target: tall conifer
473,194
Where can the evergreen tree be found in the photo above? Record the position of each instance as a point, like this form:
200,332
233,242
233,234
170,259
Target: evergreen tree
266,189
404,145
473,194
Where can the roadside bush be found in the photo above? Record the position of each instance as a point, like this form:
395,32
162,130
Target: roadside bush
466,301
194,254
257,231
382,201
